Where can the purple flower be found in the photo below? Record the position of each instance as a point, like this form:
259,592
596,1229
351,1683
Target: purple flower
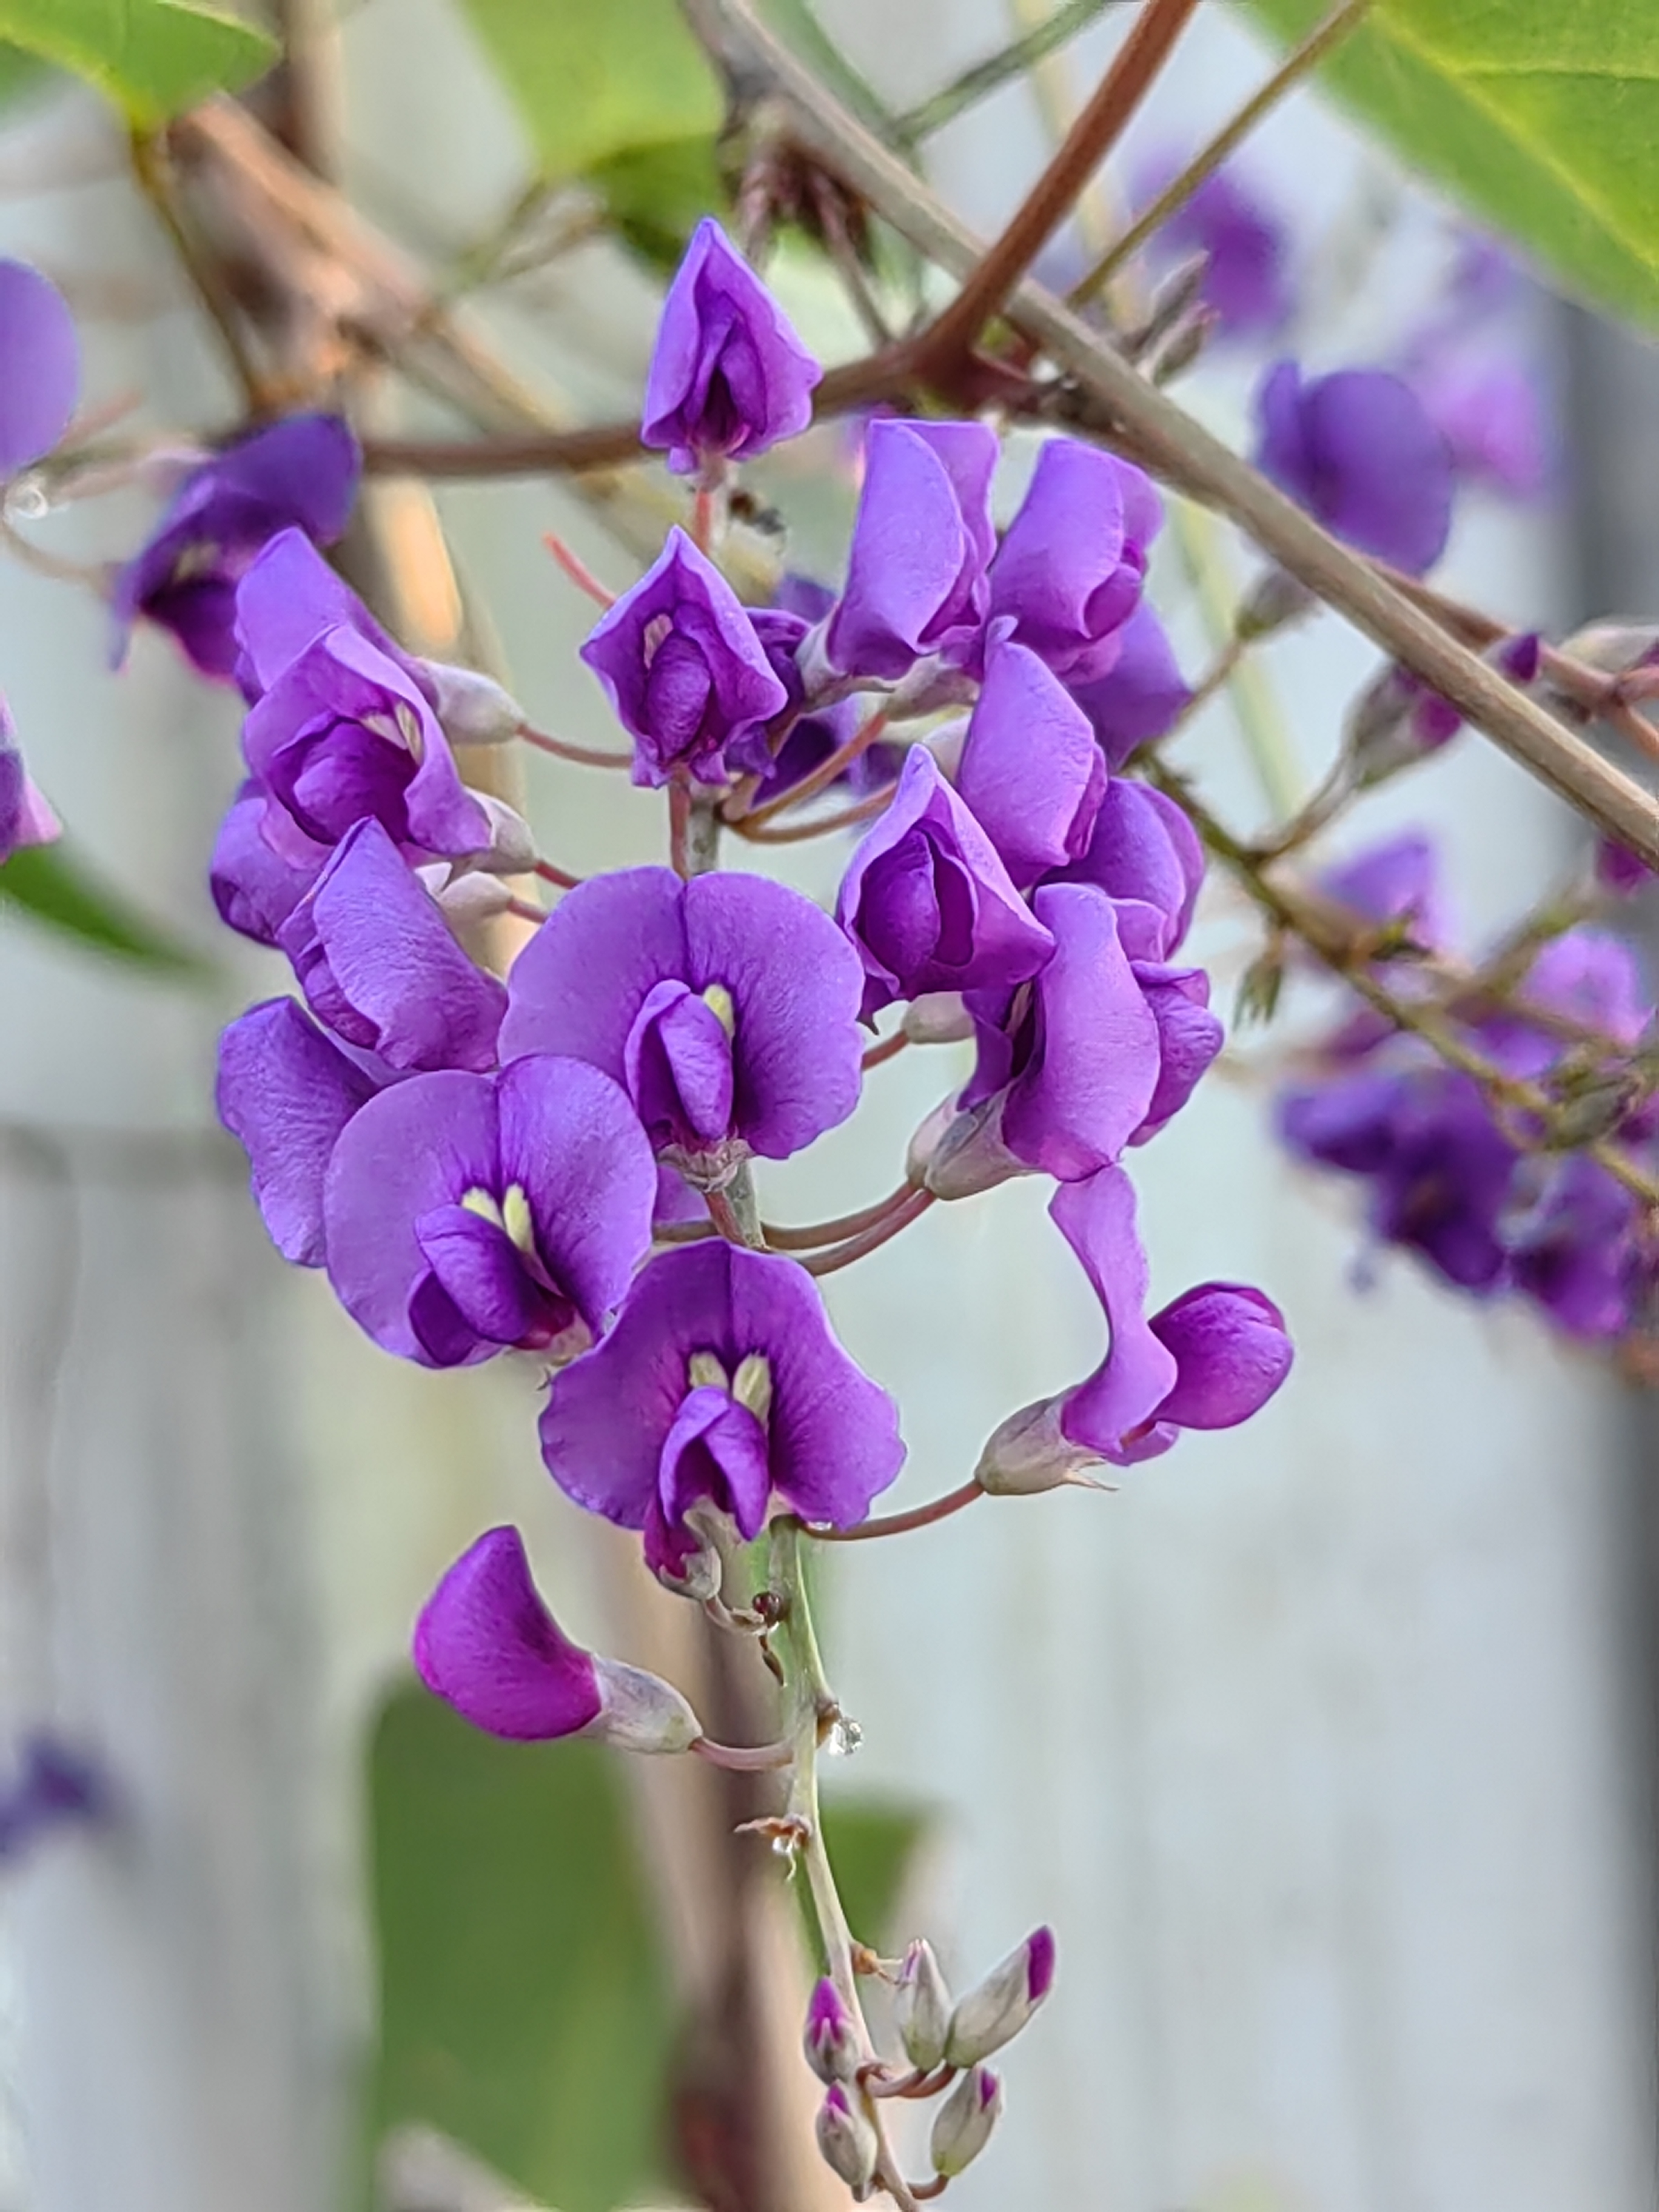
379,965
487,1645
299,473
683,666
1492,414
1396,883
341,728
1030,772
255,887
927,904
1579,1252
1245,283
287,1091
1141,696
40,358
26,817
1069,1065
1188,1035
289,597
1144,853
728,377
1358,450
464,1213
921,542
1618,870
1070,568
1441,1172
1209,1360
720,1389
726,1008
57,1786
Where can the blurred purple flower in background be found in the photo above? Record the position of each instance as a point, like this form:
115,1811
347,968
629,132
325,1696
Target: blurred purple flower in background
40,367
1359,451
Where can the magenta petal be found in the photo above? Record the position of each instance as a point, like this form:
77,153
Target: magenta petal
39,366
1126,1392
1231,1352
486,1643
288,1093
1030,773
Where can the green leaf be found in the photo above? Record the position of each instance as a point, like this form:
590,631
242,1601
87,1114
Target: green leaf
524,2011
153,57
1540,115
56,887
597,79
657,194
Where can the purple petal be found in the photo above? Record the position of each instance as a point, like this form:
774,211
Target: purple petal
254,887
379,966
1189,1037
40,367
1030,773
1231,1352
1096,1217
288,1093
915,568
1095,1067
728,375
1070,569
578,986
1145,849
1359,451
289,597
1141,696
716,1450
486,1643
1398,881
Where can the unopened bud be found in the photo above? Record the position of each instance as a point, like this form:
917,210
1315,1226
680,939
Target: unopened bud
1183,345
938,1017
473,708
834,2048
473,896
847,2142
1615,647
965,2121
958,1155
512,849
994,2013
1175,296
1275,599
640,1712
1029,1453
922,2007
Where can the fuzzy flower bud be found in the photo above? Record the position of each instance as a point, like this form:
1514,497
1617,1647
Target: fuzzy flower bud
922,2007
847,2142
994,2013
965,2121
832,2042
473,707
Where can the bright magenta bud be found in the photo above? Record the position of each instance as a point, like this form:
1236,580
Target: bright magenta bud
835,2049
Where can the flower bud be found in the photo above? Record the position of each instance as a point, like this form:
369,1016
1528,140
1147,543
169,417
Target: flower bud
922,2007
833,2044
994,2013
847,2142
640,1712
1031,1452
467,898
512,849
472,708
1274,600
965,2120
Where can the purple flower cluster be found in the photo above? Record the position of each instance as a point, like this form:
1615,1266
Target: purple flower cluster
548,1163
1454,1173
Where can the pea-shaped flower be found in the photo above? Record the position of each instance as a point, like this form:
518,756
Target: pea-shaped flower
726,1008
921,542
684,667
465,1214
1069,571
487,1645
719,1390
728,377
1359,451
1210,1359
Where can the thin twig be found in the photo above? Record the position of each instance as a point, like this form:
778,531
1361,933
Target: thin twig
832,1232
988,76
1204,164
870,1239
900,1524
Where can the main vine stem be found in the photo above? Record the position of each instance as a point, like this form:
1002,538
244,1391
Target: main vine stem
812,1709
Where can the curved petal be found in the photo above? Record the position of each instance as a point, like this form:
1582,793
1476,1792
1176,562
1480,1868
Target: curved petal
487,1645
1096,1217
288,1093
1231,1353
578,986
39,366
1031,774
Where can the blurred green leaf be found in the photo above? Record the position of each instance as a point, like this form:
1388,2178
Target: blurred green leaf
598,79
523,2008
656,194
153,57
20,74
798,26
56,887
1542,115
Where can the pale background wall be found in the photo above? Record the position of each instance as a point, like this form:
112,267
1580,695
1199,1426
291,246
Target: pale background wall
1319,1743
